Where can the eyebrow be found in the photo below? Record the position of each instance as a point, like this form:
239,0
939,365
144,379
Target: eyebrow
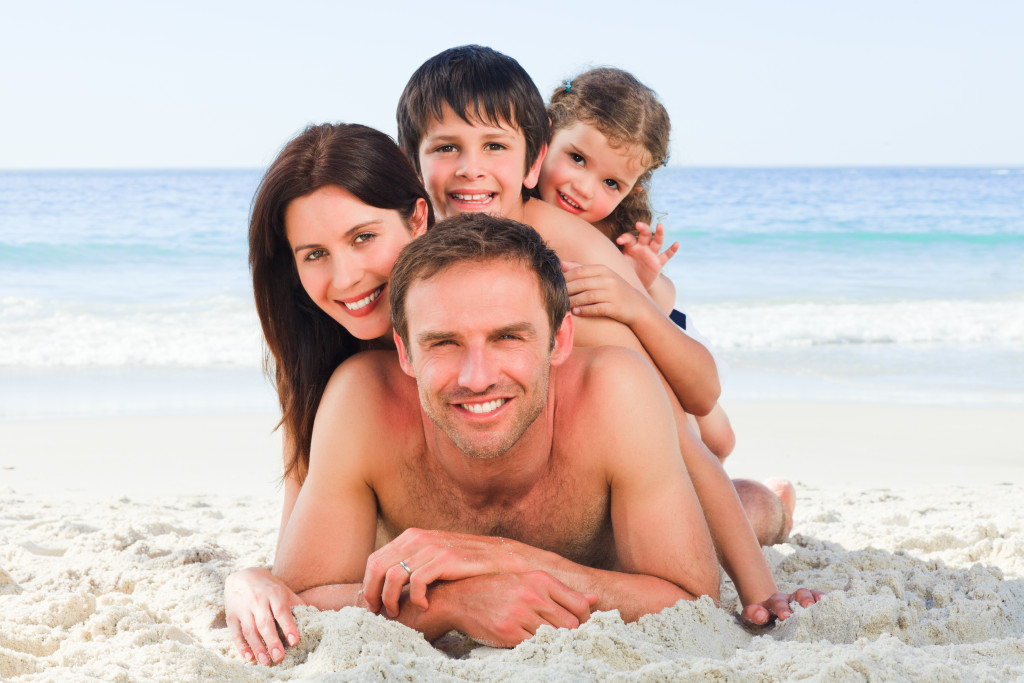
524,328
355,228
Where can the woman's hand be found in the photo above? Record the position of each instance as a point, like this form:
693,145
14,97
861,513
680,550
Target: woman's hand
643,252
255,603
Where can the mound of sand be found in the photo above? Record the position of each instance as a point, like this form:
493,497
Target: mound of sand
923,586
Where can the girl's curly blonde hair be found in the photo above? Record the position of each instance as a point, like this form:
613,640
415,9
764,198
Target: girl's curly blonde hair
626,112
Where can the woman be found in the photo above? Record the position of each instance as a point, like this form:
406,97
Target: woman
329,218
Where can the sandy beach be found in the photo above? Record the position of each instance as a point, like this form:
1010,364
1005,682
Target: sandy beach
116,536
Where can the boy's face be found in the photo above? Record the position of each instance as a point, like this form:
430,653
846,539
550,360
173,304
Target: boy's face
475,167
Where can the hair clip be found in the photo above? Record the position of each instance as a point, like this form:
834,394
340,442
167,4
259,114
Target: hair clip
664,160
568,85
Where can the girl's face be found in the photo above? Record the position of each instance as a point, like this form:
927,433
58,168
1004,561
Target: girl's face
584,175
344,251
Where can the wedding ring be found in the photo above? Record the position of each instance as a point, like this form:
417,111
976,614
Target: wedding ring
404,566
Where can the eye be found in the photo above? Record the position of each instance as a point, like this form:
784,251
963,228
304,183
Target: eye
612,183
315,255
445,149
363,237
577,158
494,147
441,343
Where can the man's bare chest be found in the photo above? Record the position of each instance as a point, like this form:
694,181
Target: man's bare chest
565,514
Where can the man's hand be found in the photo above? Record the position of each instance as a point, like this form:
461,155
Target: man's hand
503,610
777,606
431,556
255,602
642,252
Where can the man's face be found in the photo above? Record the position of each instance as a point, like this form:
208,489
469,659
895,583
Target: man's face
475,166
480,350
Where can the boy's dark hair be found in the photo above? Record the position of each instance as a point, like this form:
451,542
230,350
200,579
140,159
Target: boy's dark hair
477,238
477,83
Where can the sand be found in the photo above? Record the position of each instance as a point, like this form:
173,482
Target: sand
116,536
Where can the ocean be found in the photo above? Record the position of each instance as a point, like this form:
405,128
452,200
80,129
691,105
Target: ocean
127,292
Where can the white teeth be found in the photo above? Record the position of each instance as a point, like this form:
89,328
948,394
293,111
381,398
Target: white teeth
570,202
365,300
488,407
472,197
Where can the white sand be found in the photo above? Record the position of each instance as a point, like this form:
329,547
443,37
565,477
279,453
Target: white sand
116,536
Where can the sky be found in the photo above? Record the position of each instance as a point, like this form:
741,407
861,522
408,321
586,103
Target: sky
224,84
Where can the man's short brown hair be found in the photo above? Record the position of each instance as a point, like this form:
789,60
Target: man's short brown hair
477,238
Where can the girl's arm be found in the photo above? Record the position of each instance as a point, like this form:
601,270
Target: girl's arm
687,366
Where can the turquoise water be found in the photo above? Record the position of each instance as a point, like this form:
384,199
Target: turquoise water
129,292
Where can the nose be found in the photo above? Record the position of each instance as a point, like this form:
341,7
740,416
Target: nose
469,165
583,186
478,372
345,272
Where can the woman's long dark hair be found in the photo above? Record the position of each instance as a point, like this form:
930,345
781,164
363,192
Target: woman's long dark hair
304,344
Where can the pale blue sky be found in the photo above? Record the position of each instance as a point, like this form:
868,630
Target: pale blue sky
112,84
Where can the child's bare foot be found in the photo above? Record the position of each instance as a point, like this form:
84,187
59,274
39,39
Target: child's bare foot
783,488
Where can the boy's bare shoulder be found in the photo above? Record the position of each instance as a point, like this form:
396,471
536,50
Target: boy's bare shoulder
573,239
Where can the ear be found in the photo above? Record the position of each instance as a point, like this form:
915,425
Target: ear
637,188
418,221
533,174
563,341
403,356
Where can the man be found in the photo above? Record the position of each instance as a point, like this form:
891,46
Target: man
507,482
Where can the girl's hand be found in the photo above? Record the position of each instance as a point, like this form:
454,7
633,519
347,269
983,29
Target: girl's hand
643,252
777,606
598,291
255,603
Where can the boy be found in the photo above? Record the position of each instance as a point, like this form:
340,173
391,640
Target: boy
474,124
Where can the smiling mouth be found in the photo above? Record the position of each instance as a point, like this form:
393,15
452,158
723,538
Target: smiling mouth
481,408
472,198
365,301
571,203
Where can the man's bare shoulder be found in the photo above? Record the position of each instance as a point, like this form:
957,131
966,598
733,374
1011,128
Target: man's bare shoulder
601,379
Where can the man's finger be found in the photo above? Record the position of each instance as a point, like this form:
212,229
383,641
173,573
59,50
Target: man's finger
573,601
394,581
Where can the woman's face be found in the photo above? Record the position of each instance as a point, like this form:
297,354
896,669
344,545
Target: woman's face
344,251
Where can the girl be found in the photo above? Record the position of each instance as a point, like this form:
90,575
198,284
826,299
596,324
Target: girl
608,135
